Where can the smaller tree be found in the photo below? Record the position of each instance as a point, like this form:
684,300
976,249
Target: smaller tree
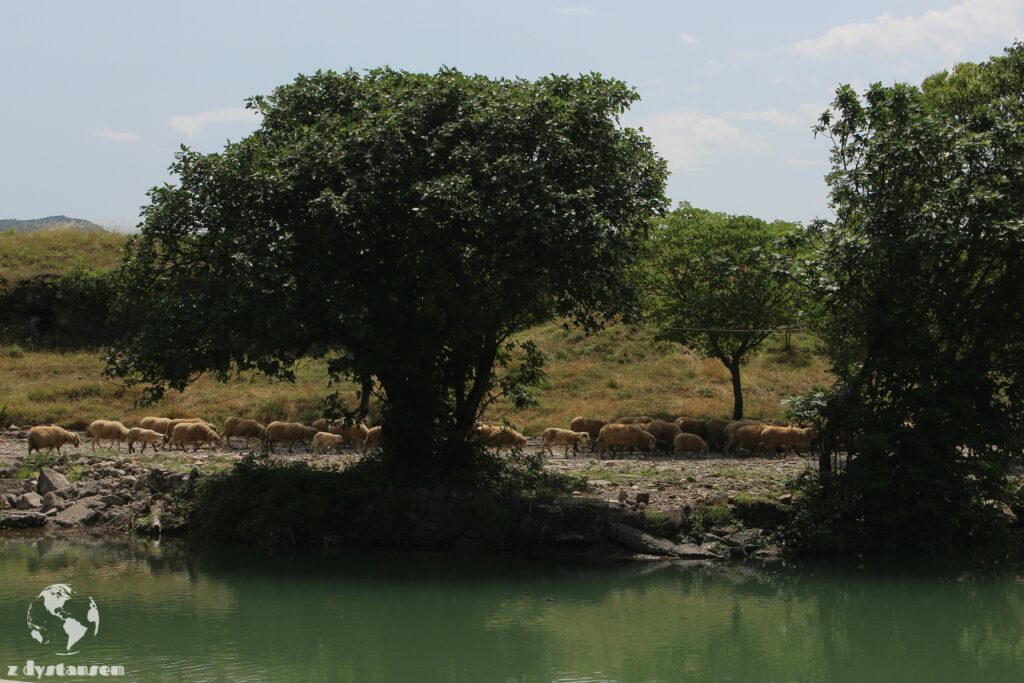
720,284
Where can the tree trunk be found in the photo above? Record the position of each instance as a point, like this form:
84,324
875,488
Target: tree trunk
825,449
737,390
411,430
365,388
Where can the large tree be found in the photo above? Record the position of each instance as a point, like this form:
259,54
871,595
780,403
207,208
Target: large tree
920,279
404,225
720,284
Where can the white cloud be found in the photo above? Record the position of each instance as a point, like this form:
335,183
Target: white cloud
575,10
195,123
948,31
688,39
116,136
684,137
772,116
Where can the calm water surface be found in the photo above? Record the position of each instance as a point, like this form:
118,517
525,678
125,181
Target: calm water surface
174,613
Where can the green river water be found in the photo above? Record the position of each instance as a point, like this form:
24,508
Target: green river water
173,613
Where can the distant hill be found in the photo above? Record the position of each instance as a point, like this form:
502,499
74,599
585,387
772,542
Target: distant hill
48,223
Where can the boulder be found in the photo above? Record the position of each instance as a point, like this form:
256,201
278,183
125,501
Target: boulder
22,520
51,480
79,513
29,501
643,497
112,500
51,500
748,538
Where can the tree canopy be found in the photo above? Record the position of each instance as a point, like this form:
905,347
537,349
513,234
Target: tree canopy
406,226
720,284
919,276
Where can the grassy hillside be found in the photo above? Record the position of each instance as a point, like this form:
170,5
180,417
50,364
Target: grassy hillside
28,254
619,371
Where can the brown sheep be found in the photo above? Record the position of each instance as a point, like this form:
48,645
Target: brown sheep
143,436
629,437
372,439
732,429
290,432
773,438
50,437
243,427
323,424
589,425
354,434
689,443
633,420
748,437
554,436
693,425
197,433
107,429
497,436
664,433
171,424
325,440
714,432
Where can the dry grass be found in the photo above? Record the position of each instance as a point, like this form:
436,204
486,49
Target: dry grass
68,389
622,371
617,372
28,254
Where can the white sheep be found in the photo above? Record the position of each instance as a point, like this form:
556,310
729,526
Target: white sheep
325,440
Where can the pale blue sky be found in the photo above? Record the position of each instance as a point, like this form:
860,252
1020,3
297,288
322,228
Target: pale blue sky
97,96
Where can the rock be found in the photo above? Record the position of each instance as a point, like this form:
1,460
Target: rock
28,485
127,482
643,497
79,513
786,499
51,500
22,520
748,538
623,495
51,480
642,542
598,483
641,505
29,501
10,499
110,500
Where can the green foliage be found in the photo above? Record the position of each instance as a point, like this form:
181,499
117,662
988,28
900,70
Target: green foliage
704,518
278,504
721,284
920,278
419,221
68,311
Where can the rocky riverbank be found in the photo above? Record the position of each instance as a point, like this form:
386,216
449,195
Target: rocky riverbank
694,508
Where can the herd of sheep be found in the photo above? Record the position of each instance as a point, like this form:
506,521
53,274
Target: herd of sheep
638,433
